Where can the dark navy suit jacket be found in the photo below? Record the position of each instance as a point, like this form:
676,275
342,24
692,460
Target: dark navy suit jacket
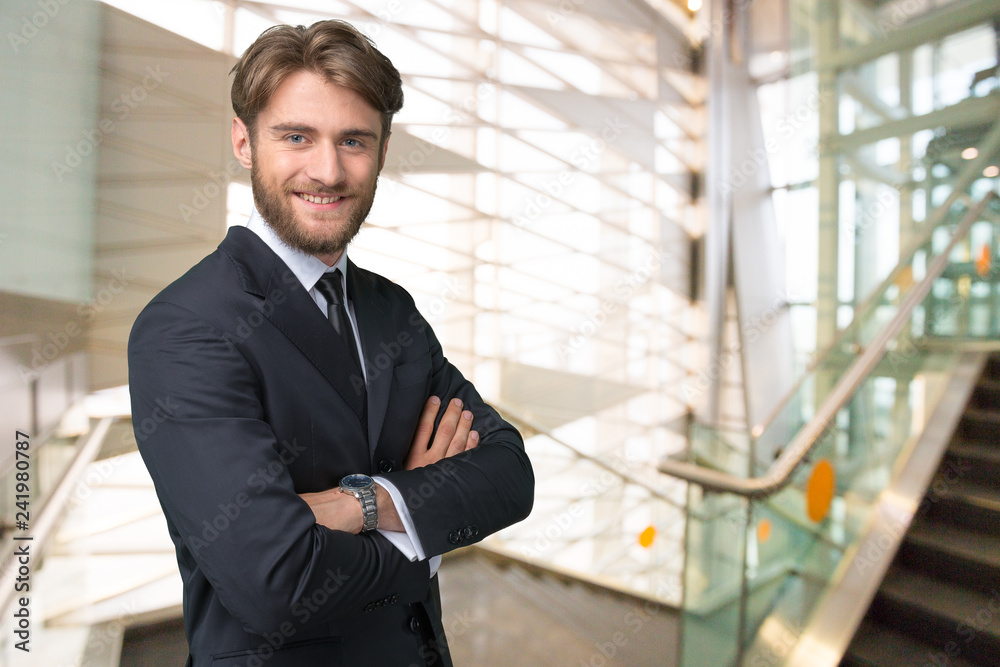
241,399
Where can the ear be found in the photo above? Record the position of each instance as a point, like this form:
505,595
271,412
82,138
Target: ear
241,143
385,150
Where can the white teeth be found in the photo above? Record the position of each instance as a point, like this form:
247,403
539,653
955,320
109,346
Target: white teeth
318,200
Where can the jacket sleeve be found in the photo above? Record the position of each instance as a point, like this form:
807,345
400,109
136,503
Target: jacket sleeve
228,497
461,499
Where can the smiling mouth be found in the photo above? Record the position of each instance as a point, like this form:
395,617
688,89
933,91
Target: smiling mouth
312,199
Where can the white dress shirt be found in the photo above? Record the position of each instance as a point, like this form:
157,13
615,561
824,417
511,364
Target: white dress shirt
309,269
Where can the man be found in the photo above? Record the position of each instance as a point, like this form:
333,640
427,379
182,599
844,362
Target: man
277,371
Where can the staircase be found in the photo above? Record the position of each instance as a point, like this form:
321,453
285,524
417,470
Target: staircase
939,603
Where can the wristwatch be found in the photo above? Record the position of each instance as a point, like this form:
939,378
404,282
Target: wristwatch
362,487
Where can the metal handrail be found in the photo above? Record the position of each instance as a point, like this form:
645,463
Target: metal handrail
779,474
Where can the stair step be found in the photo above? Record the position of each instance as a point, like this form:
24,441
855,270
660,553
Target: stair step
953,553
973,459
939,603
875,645
964,502
992,370
980,424
986,395
943,614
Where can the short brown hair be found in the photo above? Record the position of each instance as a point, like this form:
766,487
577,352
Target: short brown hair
333,49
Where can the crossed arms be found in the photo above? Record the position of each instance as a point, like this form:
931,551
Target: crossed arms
454,435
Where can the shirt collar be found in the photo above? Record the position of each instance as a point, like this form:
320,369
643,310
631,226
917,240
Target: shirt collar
307,268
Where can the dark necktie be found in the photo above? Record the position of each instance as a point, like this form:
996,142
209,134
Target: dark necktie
331,287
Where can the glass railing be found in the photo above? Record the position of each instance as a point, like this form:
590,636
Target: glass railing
771,546
48,480
28,479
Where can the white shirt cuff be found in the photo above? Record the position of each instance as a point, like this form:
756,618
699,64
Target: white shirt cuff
407,542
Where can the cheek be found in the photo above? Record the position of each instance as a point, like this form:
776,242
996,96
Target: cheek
279,168
362,169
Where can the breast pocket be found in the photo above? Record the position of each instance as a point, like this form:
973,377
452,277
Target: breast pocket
412,372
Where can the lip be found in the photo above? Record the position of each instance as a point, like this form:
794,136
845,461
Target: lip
331,206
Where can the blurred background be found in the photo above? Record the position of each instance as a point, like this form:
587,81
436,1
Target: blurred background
729,268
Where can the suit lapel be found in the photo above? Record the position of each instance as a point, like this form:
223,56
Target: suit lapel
293,312
376,329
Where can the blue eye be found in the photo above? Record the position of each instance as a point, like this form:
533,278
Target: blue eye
353,143
296,138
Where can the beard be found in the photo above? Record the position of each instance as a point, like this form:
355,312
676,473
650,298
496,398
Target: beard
342,226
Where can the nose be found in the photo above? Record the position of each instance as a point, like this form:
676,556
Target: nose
325,165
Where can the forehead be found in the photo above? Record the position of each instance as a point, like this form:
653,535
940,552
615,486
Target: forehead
306,97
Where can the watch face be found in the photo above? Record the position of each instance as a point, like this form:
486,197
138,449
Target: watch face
357,482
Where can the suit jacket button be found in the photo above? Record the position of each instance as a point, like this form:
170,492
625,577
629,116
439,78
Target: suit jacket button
414,624
385,465
454,537
475,530
467,532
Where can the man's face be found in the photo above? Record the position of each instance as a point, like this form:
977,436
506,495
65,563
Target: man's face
314,163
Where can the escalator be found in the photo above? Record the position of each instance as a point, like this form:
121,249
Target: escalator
939,603
779,567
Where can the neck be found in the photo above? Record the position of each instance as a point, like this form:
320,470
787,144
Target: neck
328,258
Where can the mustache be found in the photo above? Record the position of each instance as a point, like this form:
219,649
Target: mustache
312,188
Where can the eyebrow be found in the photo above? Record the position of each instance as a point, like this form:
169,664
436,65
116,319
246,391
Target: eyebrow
292,127
299,127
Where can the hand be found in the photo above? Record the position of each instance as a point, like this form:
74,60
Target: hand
454,434
342,511
336,510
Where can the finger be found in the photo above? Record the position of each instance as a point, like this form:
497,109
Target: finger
425,426
473,440
446,427
458,441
